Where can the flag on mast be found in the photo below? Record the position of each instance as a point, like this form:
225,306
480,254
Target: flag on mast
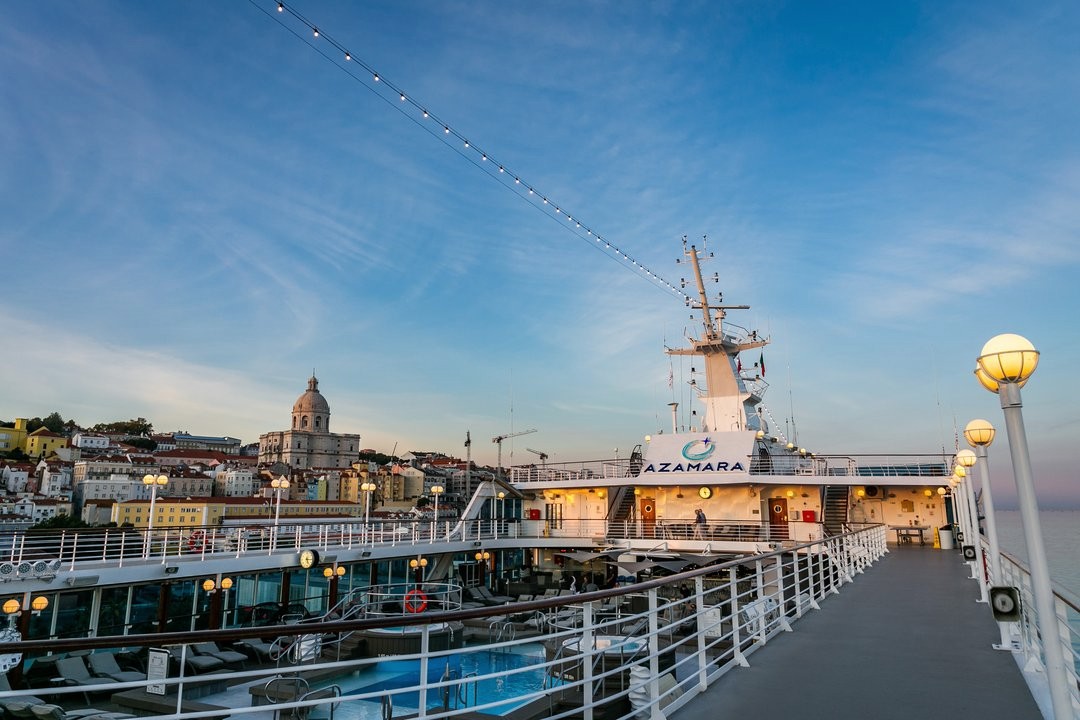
761,363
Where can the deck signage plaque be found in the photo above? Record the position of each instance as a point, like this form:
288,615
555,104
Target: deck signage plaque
157,669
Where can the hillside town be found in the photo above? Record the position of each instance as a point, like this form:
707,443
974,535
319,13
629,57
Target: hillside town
54,472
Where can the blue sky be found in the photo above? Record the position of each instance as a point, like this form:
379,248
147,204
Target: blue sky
198,208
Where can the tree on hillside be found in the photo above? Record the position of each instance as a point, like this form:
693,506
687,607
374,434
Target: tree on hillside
61,522
142,442
134,427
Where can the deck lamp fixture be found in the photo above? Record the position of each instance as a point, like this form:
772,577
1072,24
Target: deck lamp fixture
153,482
860,492
942,491
928,492
965,458
437,490
414,564
482,555
979,433
1010,360
12,606
338,571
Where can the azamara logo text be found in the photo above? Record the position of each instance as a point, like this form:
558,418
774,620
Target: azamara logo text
666,467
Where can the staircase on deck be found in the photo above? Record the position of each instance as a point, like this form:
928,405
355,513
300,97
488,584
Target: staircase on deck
834,508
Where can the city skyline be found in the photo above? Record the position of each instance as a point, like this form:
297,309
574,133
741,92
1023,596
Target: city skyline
200,208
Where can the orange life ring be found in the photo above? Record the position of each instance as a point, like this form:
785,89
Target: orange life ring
196,541
415,601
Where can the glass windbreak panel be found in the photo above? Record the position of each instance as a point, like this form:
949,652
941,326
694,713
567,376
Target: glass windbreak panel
241,603
144,608
112,614
180,606
72,614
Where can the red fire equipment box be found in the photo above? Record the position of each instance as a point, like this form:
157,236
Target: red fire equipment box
809,516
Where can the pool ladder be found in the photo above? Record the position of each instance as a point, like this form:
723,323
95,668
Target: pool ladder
501,630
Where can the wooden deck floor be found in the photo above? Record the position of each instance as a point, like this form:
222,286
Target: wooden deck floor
906,640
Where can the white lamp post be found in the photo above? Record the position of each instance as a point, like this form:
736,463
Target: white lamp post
959,505
437,490
979,434
367,488
1009,360
965,459
279,484
502,512
153,482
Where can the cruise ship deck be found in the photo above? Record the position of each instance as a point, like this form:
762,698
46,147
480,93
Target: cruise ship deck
903,642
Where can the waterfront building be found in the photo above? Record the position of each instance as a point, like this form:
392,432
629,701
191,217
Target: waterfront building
90,441
309,442
43,442
170,512
227,445
13,438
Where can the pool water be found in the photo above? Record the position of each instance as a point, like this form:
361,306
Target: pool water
390,675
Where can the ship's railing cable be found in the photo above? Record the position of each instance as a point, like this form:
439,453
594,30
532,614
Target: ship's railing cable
421,115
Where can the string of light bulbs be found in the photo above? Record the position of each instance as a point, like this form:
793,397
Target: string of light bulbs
420,114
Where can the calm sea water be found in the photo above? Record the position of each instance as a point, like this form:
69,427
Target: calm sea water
1061,535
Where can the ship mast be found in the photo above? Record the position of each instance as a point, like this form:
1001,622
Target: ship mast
725,393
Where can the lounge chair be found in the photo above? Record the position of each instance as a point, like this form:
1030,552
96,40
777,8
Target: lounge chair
73,671
18,707
198,663
55,712
229,657
103,664
489,597
260,650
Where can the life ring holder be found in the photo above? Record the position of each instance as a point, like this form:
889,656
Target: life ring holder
196,541
415,601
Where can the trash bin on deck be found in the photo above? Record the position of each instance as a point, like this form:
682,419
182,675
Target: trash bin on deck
945,537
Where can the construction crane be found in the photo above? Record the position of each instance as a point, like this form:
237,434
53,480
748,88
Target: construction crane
499,438
543,455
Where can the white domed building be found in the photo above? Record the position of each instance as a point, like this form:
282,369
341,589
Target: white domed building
309,443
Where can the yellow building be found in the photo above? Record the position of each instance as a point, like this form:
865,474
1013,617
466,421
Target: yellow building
170,512
13,438
43,442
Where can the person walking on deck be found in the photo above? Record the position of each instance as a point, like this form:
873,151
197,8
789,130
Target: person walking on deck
699,524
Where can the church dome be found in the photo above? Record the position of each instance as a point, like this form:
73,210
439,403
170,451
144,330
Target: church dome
311,412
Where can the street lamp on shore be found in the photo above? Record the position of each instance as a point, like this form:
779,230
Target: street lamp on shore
1008,361
153,482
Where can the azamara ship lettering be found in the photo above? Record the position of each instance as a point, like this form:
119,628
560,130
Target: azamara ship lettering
666,467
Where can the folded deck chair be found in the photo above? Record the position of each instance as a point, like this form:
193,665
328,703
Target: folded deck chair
103,664
229,657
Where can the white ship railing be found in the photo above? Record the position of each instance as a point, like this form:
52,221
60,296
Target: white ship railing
1027,642
637,650
37,555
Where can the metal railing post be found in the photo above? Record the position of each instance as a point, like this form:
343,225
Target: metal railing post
587,645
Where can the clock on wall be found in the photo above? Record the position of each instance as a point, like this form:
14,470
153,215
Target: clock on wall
705,492
309,559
